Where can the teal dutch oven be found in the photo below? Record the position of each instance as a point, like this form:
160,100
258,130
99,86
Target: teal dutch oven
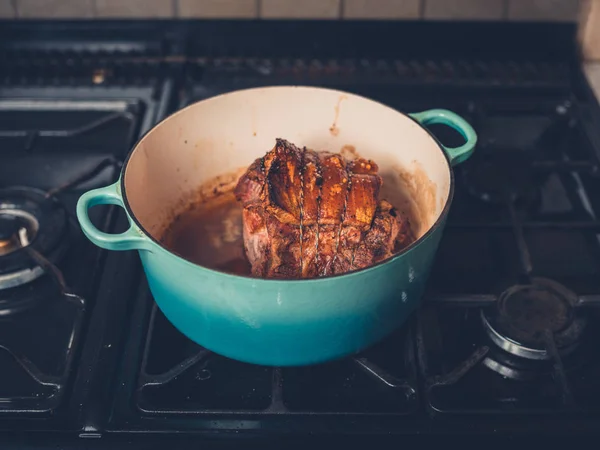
283,322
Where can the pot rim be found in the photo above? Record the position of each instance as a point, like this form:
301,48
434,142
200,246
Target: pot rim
349,274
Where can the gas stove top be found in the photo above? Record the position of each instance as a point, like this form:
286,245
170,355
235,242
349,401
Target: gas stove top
504,341
56,143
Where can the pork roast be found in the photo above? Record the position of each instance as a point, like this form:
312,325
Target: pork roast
311,214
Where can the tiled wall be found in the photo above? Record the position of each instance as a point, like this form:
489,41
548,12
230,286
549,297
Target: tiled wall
553,10
589,31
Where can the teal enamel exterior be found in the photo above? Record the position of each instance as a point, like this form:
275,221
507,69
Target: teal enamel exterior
456,155
283,322
289,322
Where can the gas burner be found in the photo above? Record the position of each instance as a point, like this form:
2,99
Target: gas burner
515,368
29,219
16,227
501,176
531,319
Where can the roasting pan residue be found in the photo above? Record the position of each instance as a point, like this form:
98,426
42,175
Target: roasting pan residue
206,226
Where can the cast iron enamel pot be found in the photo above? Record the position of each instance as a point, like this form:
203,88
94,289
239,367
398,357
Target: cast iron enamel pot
283,322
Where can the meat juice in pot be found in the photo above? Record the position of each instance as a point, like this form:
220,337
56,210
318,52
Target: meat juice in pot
209,233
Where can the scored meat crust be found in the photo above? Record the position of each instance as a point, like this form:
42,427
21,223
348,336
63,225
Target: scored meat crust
310,214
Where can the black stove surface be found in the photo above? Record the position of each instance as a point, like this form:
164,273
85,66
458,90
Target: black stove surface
504,343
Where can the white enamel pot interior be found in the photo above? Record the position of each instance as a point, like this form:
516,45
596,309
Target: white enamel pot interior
222,135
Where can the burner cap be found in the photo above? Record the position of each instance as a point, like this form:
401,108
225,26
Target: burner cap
17,229
29,218
525,313
501,176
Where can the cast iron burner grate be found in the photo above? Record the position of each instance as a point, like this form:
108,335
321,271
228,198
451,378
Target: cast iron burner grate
501,176
37,237
467,371
40,125
46,367
179,377
528,346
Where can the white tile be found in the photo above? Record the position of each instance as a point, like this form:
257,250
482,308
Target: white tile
218,8
7,9
300,9
592,72
381,9
55,9
588,30
464,9
544,10
135,8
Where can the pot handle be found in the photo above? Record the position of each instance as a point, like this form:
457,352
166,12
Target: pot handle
132,239
457,155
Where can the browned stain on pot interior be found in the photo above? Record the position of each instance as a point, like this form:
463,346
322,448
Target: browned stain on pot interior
333,129
214,187
349,152
414,194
